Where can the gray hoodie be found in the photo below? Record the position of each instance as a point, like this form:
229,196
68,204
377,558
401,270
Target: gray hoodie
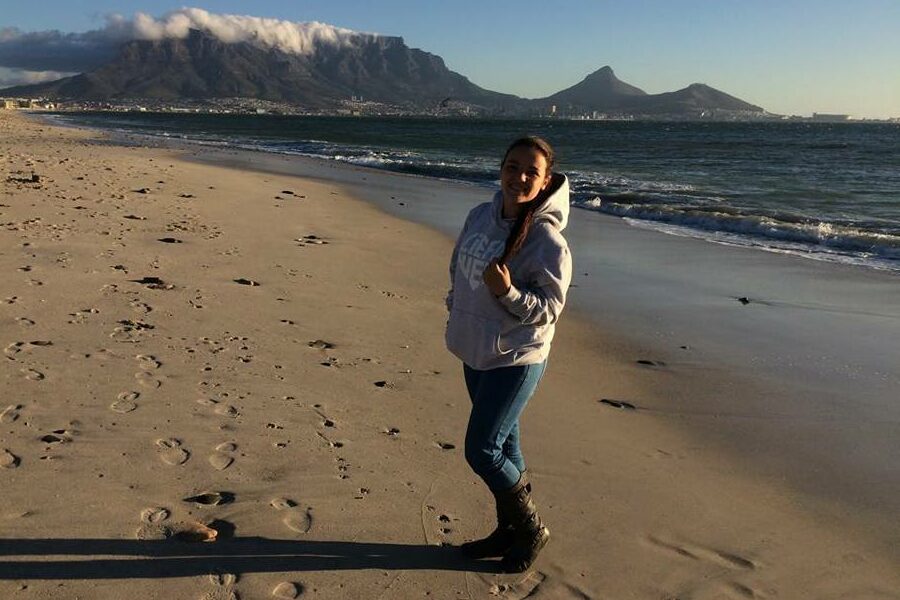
487,332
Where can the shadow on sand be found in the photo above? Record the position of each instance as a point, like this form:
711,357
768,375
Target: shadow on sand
106,559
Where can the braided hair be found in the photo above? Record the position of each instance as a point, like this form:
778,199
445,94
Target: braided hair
525,218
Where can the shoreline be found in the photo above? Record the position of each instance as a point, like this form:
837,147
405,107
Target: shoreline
620,488
844,242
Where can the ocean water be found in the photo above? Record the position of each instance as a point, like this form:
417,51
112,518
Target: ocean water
822,191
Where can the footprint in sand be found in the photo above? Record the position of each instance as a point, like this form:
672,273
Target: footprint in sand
296,519
32,375
154,515
147,362
141,307
81,316
171,452
299,521
16,347
13,349
58,436
282,503
533,584
8,460
147,379
152,527
223,587
221,459
226,410
125,402
10,413
287,590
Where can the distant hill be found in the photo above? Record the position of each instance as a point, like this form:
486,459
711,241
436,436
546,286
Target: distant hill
601,90
378,68
694,98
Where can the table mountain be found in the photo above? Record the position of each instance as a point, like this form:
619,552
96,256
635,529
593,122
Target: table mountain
202,66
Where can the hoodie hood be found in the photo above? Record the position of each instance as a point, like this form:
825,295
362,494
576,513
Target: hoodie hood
554,210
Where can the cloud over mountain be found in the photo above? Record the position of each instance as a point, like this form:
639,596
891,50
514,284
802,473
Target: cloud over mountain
10,77
77,52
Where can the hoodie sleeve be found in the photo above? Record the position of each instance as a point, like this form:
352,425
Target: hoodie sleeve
542,302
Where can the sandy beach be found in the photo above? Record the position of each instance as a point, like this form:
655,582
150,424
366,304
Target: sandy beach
197,351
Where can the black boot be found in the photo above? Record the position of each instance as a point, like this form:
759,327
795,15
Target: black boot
500,540
529,533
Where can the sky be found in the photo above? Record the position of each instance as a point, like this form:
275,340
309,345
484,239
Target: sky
788,56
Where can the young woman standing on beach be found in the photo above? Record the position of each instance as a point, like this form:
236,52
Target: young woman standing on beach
509,274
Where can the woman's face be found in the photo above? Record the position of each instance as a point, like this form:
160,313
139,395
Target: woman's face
523,175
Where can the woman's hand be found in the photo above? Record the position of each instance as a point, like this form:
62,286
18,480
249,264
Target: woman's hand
496,278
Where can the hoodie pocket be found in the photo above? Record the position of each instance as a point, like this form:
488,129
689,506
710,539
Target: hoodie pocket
473,338
522,337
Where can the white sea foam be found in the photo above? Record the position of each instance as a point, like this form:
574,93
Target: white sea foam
887,262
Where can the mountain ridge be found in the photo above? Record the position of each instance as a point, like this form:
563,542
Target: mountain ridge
378,68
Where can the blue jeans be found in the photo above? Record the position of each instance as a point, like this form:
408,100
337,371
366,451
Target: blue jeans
492,438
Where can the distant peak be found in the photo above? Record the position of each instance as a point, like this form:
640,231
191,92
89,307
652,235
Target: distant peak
603,72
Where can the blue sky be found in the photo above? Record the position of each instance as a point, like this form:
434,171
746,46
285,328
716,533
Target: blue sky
788,56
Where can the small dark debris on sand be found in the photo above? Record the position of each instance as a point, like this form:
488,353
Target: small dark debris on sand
34,178
618,404
744,300
211,498
311,239
651,363
169,240
249,282
142,191
321,344
154,283
138,325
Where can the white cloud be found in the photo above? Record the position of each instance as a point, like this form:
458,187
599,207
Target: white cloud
55,50
288,36
11,77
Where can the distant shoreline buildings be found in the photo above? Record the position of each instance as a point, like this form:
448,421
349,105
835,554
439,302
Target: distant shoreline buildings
357,107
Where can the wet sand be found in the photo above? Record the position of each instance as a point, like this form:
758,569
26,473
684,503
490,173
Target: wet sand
196,351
